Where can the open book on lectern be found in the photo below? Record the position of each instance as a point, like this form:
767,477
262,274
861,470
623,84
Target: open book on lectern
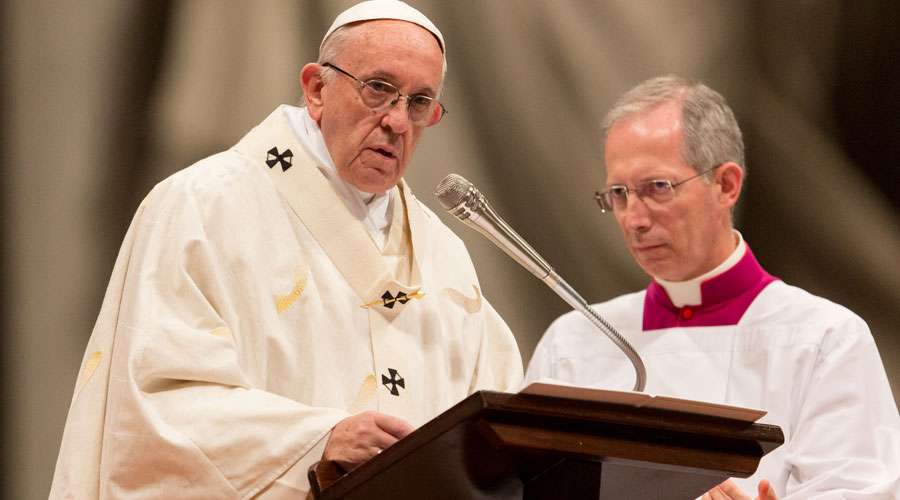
559,389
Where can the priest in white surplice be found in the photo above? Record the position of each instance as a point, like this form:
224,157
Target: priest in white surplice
289,298
713,325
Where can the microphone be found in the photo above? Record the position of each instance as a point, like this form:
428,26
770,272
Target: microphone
465,202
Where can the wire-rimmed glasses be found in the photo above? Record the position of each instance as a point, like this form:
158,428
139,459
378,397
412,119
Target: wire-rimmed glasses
380,95
615,197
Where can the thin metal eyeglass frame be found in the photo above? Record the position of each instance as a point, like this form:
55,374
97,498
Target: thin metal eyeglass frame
400,95
598,195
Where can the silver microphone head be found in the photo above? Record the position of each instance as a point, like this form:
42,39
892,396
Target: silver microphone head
452,190
464,201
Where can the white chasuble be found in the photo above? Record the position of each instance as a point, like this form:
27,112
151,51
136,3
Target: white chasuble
812,364
249,312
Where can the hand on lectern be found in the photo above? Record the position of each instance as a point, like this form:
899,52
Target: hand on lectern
730,491
360,437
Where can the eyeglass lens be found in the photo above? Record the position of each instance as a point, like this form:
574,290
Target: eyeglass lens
616,197
378,94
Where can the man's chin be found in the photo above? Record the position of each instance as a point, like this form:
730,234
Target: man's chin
657,269
376,185
375,180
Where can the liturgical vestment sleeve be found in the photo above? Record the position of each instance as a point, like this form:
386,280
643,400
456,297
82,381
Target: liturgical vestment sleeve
182,400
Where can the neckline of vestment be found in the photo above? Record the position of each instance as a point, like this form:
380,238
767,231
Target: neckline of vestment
724,298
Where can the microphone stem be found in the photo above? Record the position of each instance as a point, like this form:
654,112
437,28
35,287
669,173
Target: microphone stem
568,294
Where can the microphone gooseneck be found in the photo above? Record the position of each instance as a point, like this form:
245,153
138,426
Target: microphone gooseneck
465,202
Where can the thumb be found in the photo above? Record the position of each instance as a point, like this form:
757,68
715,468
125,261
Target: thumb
394,426
766,492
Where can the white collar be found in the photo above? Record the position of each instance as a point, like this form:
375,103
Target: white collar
688,293
374,210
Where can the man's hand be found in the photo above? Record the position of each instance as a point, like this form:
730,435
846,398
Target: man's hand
360,437
729,491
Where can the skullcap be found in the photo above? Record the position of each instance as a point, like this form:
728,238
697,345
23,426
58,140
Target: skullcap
371,10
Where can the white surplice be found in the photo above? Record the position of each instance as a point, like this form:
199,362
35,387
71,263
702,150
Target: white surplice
249,311
811,363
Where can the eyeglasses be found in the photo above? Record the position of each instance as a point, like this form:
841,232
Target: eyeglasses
380,95
658,190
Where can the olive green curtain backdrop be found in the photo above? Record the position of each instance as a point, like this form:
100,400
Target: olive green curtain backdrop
102,99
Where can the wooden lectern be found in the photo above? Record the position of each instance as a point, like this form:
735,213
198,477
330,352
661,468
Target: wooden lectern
496,445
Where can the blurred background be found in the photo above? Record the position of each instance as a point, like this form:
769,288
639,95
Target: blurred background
102,99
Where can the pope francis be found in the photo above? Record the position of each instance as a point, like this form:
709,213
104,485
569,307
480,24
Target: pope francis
288,299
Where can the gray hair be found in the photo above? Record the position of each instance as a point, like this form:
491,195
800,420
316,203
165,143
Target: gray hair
334,45
711,133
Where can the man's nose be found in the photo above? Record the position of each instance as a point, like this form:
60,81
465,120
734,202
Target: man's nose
635,215
397,116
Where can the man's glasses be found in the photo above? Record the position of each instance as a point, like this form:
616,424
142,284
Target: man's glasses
380,95
658,190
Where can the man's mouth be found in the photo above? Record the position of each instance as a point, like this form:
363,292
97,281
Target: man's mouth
648,248
387,153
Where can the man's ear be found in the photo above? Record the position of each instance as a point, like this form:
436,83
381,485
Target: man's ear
730,177
312,84
436,116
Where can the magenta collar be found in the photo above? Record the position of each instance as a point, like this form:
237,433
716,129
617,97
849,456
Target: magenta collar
725,298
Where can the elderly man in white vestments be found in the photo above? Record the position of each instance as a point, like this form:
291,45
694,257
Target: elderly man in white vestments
288,299
713,325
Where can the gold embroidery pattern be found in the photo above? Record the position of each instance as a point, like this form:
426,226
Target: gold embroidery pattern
222,332
366,390
90,366
389,301
283,302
